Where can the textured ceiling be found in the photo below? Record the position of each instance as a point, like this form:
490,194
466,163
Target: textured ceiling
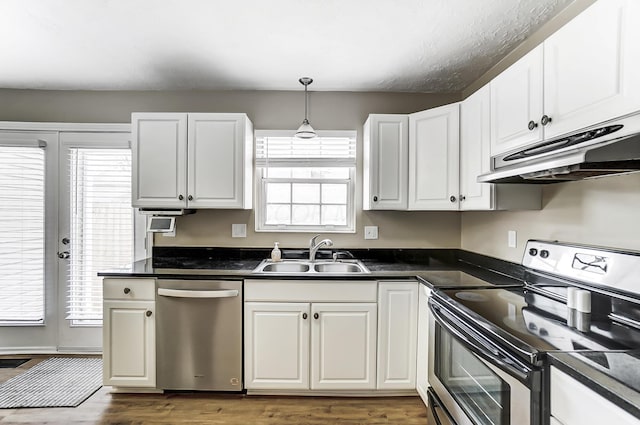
344,45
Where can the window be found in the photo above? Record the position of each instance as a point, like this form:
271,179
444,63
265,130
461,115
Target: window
305,185
101,226
22,218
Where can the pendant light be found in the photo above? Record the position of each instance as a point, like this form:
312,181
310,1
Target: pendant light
305,131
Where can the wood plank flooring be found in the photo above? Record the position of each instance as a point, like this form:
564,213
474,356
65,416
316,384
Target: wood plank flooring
207,408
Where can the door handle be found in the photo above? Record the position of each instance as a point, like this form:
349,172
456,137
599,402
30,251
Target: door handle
186,293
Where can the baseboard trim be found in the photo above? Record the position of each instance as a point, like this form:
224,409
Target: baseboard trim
337,393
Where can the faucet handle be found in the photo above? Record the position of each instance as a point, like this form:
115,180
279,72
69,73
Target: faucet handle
312,242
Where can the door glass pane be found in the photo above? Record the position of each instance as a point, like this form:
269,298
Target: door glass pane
22,195
482,394
101,223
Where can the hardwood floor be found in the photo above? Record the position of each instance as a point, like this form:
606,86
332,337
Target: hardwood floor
206,408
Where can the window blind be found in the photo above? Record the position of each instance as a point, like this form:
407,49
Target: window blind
317,151
22,215
101,226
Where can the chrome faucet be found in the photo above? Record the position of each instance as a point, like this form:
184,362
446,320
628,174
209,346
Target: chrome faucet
314,247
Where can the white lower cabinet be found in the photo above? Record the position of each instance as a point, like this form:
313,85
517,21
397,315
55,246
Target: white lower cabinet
129,336
300,346
276,345
343,346
422,361
397,335
328,335
573,403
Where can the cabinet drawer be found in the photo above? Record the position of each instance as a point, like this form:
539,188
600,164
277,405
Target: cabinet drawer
129,289
311,290
573,403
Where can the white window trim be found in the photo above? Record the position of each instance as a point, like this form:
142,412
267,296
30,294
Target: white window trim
350,227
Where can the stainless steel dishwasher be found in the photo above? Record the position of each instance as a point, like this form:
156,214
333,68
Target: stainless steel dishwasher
199,335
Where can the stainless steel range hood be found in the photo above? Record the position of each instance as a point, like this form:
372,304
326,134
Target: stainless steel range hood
607,149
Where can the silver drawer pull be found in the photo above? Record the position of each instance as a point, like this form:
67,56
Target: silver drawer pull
185,293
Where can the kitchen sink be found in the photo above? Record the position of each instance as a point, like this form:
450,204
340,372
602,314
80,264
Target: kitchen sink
285,267
338,268
300,267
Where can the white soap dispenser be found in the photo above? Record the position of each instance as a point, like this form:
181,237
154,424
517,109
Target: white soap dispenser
276,255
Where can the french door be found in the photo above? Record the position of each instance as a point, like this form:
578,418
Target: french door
96,230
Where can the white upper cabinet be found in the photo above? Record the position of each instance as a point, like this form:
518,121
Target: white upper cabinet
591,67
475,154
433,158
582,75
475,159
516,104
159,144
386,162
197,160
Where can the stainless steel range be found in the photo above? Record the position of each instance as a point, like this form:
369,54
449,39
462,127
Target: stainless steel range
489,346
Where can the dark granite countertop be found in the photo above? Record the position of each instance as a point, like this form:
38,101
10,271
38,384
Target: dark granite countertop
433,267
613,375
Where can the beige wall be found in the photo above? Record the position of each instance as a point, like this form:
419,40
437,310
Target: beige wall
603,211
267,110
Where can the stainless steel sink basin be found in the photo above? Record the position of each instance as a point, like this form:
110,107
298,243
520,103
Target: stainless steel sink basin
285,267
300,267
338,268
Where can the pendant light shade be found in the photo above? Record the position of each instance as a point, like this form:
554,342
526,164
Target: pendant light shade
305,131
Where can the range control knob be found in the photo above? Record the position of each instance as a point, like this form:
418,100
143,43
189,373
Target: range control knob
533,252
544,253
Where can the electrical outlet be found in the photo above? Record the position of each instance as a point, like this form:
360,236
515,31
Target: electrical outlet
239,230
371,232
512,241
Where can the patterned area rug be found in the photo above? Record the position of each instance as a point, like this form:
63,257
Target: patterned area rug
55,382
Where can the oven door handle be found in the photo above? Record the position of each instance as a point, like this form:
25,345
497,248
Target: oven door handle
482,348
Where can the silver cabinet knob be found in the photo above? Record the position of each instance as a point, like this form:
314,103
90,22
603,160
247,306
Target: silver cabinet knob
375,199
127,290
316,316
304,316
180,197
190,198
64,255
545,119
452,198
148,313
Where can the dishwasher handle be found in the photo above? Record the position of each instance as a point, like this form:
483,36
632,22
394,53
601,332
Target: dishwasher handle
186,293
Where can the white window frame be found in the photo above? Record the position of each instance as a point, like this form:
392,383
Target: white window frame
260,204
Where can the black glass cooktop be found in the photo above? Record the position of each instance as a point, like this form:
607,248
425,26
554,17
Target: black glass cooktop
538,322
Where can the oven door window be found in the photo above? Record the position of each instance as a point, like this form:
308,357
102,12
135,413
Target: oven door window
482,394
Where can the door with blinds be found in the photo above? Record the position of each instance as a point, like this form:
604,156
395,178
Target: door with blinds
96,229
27,269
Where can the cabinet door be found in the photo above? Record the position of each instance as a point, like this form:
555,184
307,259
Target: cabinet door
591,67
343,346
573,403
276,345
516,100
422,360
129,344
159,145
386,143
218,145
475,156
397,335
434,158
